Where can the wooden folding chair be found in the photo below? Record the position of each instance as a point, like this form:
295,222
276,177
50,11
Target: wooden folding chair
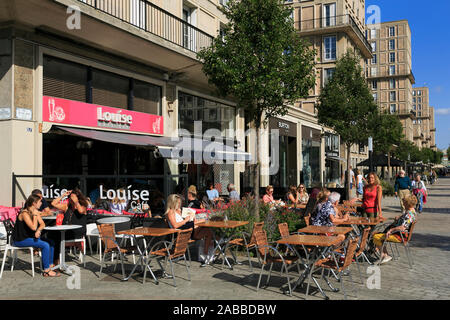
404,242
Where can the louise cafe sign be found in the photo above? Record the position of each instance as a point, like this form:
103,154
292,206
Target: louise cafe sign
77,113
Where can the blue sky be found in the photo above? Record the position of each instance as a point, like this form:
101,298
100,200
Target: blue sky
430,52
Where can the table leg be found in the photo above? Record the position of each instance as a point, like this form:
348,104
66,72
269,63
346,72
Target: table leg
62,263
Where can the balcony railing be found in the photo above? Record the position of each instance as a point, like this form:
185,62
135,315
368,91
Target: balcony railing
150,18
332,22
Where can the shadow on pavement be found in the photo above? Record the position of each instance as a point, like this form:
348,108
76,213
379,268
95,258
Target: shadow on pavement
419,240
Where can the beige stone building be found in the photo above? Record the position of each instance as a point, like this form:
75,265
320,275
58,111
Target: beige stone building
332,28
93,91
389,72
424,130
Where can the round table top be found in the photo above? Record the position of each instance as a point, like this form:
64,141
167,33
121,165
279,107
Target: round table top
113,220
49,218
64,227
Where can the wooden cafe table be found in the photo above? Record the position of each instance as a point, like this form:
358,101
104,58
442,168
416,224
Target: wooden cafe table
322,245
146,232
326,230
222,246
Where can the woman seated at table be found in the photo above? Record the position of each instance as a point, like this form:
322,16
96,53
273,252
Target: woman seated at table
303,196
193,202
292,195
173,215
268,197
27,233
74,213
372,195
324,213
401,223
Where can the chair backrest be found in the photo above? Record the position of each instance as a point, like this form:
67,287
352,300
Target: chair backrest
9,227
411,228
261,241
351,248
90,227
362,245
307,219
284,230
182,242
257,226
106,232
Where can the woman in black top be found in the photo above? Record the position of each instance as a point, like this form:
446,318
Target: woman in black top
74,213
27,233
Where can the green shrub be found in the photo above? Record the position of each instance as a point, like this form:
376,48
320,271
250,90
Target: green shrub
388,188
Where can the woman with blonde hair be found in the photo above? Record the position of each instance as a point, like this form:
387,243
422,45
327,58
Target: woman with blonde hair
303,196
325,215
176,221
119,204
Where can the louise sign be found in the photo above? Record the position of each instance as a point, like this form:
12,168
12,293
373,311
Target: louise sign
64,111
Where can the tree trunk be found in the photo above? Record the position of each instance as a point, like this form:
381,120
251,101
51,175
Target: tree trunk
349,177
257,173
389,166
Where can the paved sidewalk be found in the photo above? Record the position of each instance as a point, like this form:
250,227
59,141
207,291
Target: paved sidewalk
428,279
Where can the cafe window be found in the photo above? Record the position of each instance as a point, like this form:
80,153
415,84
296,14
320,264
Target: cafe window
64,79
109,89
146,97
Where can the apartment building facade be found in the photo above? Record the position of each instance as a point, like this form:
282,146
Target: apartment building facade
424,131
389,72
332,28
94,91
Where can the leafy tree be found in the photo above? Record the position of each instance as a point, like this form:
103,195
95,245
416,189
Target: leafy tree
387,132
261,61
346,105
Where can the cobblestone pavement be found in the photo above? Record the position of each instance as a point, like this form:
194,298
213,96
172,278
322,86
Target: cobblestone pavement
430,246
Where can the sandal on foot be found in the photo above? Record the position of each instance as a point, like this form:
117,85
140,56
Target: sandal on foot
47,274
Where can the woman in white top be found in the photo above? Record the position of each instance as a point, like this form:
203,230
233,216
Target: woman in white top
303,196
420,191
359,182
173,214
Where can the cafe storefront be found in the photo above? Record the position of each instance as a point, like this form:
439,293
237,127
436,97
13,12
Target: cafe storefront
332,176
287,153
311,157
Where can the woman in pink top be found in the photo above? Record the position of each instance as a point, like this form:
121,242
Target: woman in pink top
268,197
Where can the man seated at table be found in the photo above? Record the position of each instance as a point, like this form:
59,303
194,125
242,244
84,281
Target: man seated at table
324,214
234,195
44,209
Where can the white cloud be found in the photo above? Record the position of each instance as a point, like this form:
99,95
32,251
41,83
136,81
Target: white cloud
442,111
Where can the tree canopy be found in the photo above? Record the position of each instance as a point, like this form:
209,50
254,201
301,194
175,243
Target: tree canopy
387,132
260,60
346,104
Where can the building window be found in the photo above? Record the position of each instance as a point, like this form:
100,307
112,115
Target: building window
214,115
391,31
109,89
393,108
414,107
374,59
391,83
330,48
374,84
419,93
391,70
392,96
392,44
146,97
374,46
419,100
373,33
414,93
392,57
414,100
327,74
373,71
329,14
375,96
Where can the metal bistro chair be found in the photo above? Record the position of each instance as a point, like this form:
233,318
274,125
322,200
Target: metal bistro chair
171,252
404,241
108,236
337,265
242,242
9,227
268,254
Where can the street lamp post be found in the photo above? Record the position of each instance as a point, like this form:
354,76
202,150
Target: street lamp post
370,144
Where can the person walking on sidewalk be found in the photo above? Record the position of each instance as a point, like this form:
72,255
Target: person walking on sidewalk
420,191
402,187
